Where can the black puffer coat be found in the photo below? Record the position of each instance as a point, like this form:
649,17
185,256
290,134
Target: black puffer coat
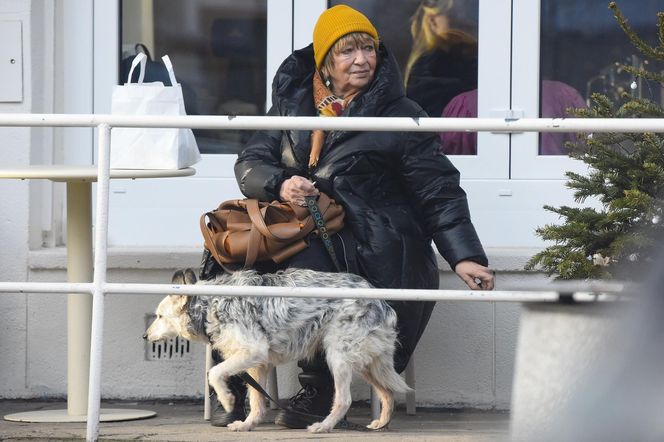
398,192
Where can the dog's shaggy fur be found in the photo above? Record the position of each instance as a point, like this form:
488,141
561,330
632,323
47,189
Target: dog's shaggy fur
254,332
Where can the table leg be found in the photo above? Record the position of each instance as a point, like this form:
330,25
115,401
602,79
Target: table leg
79,319
79,305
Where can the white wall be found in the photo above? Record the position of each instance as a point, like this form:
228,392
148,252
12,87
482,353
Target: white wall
14,217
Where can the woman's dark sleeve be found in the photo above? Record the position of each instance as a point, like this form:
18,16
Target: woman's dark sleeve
433,181
258,168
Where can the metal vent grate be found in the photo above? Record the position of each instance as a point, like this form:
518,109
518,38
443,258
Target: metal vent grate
173,349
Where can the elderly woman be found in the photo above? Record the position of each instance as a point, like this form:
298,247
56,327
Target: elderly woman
397,191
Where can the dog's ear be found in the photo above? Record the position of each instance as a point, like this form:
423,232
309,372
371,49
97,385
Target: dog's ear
186,276
178,302
190,276
178,277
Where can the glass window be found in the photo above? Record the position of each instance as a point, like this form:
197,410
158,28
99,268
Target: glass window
435,44
218,50
581,46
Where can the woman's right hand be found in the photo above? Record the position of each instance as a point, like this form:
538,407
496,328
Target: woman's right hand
295,188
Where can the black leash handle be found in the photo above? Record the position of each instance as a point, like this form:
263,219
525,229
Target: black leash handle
319,221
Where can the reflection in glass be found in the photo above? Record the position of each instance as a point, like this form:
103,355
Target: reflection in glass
581,44
436,50
443,58
218,50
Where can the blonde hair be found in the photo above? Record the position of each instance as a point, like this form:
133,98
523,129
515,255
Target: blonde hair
356,39
425,40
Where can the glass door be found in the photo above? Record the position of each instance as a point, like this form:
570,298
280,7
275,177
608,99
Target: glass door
566,50
455,58
224,54
496,58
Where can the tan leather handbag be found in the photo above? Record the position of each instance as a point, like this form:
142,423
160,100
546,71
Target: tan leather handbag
246,231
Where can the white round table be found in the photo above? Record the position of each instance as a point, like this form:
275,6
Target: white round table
79,181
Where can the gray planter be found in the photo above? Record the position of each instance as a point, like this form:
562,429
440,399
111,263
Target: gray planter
560,349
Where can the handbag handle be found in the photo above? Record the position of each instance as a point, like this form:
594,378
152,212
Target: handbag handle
257,216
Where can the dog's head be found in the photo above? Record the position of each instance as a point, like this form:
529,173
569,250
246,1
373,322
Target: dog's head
172,319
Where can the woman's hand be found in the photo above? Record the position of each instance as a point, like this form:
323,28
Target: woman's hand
295,188
475,275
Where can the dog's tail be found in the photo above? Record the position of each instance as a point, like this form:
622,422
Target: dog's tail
382,371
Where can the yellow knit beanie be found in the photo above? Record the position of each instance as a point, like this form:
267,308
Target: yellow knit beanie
333,24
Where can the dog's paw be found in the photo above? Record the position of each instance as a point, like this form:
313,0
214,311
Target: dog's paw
318,427
240,426
377,425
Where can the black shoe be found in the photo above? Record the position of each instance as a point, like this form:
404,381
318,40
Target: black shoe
220,417
311,404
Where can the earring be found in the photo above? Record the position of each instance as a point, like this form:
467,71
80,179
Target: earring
327,82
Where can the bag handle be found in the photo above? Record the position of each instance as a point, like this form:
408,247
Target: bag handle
169,68
141,59
253,245
257,219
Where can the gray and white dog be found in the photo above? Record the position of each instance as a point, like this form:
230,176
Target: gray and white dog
252,333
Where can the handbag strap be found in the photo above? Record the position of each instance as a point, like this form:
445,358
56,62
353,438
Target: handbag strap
257,216
253,246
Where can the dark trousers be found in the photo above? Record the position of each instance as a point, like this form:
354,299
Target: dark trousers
412,316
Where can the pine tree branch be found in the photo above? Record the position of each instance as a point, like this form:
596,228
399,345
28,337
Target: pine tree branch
638,72
641,108
660,27
638,43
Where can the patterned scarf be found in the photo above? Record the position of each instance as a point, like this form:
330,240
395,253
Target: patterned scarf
327,105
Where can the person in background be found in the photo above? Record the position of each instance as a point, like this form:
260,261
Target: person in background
557,98
443,59
397,191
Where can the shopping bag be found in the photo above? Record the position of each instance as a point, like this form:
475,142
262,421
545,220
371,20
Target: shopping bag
151,148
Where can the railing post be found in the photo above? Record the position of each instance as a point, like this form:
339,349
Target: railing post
99,280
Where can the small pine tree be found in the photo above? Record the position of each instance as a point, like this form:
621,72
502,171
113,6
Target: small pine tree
626,177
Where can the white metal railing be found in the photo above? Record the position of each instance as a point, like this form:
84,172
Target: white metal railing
230,122
99,287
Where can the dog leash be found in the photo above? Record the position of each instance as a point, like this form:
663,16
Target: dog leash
323,233
341,425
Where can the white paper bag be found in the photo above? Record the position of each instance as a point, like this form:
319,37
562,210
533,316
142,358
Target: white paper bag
151,148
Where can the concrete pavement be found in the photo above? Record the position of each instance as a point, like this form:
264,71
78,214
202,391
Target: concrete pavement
183,421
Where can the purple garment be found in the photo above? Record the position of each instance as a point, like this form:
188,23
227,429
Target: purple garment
557,97
463,105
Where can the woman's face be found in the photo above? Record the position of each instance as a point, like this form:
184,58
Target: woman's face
353,68
439,24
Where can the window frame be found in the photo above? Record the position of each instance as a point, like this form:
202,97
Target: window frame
508,81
